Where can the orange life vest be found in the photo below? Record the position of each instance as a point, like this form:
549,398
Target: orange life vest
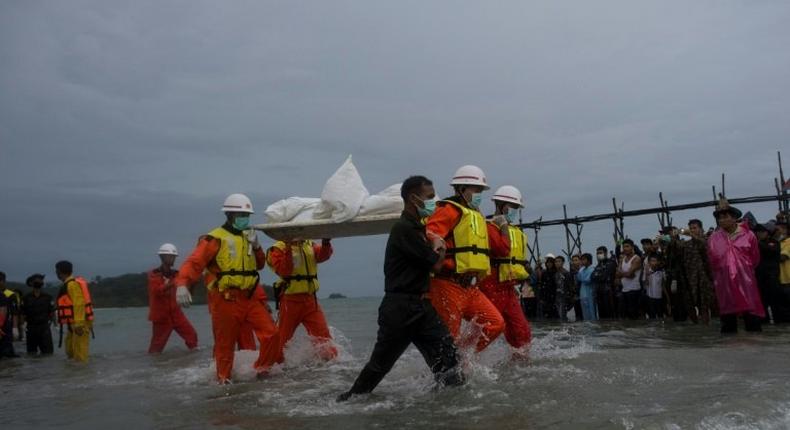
66,305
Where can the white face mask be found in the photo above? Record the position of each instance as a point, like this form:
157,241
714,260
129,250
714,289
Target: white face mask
601,257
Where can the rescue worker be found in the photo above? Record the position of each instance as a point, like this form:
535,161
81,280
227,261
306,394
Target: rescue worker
406,315
454,291
7,304
507,272
163,310
231,257
75,311
39,311
296,263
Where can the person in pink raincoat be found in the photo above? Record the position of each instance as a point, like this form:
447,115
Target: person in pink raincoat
733,254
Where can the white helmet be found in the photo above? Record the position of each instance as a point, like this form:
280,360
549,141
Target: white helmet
550,255
237,203
470,175
168,249
508,194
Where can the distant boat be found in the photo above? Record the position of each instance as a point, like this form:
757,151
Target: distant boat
337,296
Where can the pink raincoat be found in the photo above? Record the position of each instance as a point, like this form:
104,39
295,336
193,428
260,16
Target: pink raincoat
732,262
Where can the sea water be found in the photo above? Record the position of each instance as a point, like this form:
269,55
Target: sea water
607,375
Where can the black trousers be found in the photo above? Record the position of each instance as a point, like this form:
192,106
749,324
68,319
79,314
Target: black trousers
406,319
39,339
654,308
631,304
729,323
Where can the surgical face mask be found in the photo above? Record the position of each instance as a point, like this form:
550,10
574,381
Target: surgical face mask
476,200
428,210
512,215
241,223
601,257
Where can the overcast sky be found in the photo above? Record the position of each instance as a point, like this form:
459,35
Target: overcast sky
125,124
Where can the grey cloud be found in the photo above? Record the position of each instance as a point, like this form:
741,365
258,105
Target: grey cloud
135,106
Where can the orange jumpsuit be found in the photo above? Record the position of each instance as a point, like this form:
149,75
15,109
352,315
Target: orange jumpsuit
165,314
454,302
301,308
246,339
503,295
230,309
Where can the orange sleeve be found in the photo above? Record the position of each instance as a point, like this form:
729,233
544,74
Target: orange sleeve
192,268
322,253
280,261
498,242
260,258
156,284
443,221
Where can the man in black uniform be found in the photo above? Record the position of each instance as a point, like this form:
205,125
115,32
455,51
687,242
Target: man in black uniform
38,309
406,314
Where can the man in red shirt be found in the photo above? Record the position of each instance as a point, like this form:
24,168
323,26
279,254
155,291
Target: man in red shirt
509,271
163,310
454,291
296,263
230,256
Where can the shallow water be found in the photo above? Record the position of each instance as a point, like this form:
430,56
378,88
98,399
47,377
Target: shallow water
601,376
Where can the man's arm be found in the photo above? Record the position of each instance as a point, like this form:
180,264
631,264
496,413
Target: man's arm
281,260
416,248
323,250
157,285
192,268
498,240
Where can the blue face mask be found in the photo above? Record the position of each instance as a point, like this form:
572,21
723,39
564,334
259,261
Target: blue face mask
512,215
476,200
428,210
241,223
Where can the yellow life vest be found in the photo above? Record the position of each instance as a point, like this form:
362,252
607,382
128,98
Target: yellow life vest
470,237
236,262
514,267
304,277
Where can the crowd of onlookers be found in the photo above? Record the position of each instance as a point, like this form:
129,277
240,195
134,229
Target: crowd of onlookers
667,276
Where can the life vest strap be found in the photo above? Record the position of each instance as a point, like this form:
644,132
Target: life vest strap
238,273
300,278
512,260
473,249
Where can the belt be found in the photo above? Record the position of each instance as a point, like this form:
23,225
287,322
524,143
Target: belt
465,280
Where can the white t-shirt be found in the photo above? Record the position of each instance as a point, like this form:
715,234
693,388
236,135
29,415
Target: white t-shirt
630,284
655,281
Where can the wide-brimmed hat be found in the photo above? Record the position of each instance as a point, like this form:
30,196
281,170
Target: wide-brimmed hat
724,207
31,278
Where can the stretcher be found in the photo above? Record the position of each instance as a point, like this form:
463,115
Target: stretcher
319,229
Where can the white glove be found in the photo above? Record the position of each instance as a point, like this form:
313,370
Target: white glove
252,238
183,298
499,220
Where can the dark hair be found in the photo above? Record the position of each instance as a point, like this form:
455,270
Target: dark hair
587,256
646,240
628,242
2,276
697,222
602,248
64,267
559,257
412,185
